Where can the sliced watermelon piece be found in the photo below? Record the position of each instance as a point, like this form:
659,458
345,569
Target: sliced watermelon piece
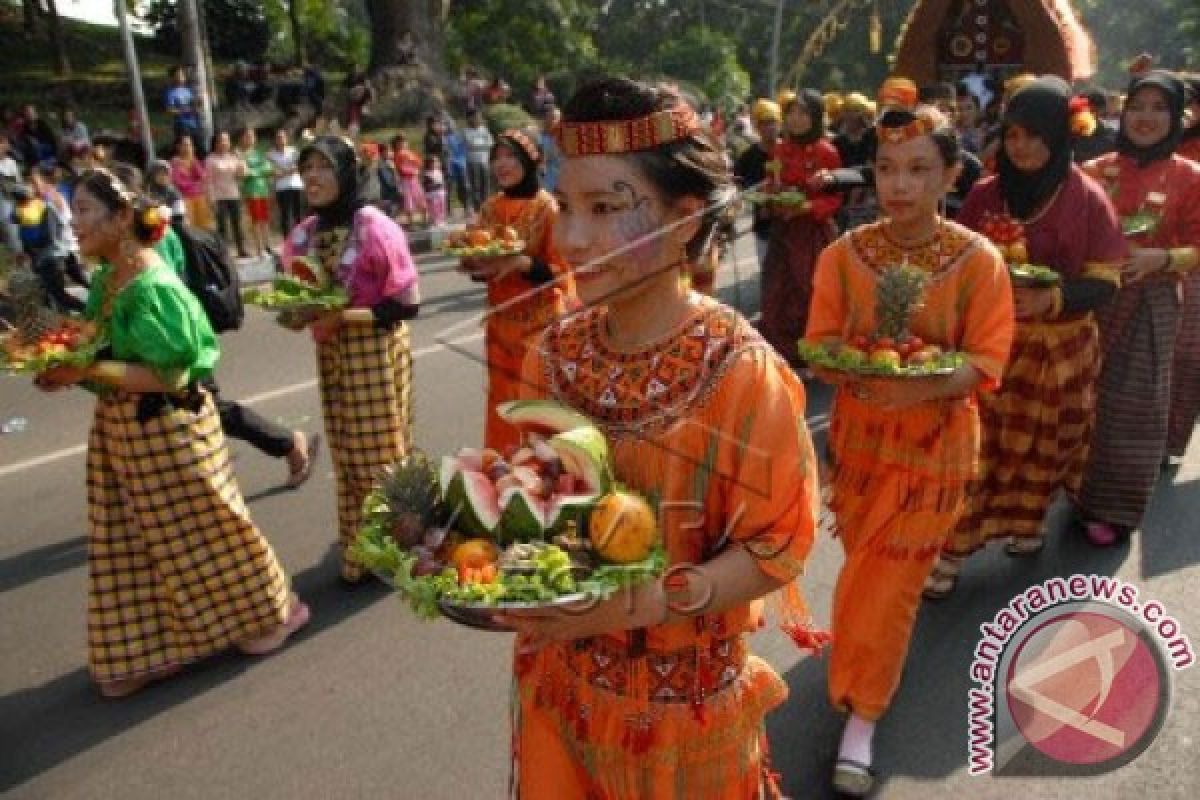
542,416
471,497
523,518
584,454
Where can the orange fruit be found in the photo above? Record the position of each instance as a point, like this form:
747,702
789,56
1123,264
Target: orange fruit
478,237
623,528
474,554
509,235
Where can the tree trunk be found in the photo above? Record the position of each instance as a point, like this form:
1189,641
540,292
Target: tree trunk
299,51
62,65
402,29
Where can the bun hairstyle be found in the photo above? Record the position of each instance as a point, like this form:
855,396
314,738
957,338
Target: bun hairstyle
693,166
934,122
149,220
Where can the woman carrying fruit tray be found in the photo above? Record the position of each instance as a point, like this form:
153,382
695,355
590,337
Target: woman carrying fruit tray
798,232
177,571
1036,427
903,448
654,693
1139,329
525,292
364,364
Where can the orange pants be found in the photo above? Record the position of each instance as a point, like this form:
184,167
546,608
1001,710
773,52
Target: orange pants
891,544
505,348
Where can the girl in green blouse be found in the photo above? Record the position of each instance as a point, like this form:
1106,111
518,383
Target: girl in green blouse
176,569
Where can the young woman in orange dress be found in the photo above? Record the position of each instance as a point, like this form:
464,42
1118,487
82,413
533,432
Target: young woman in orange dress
798,233
1036,428
654,694
525,292
1148,181
903,449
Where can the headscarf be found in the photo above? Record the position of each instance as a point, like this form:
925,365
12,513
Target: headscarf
1193,96
351,185
527,152
1042,108
1172,89
814,106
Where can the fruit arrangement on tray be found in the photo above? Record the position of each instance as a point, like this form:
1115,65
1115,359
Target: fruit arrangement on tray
1009,237
892,350
43,338
292,294
480,242
540,526
1141,223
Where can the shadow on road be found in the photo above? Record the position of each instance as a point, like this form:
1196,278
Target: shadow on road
42,562
1173,522
924,734
43,726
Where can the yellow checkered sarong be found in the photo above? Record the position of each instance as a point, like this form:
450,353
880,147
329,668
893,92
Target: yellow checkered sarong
366,396
176,568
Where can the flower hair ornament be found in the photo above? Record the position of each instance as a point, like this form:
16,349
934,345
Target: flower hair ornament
155,219
1082,120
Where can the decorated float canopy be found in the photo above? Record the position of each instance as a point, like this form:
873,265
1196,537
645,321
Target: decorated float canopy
948,40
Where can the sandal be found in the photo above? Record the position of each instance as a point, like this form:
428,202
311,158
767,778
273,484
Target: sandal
297,477
123,687
853,778
1101,534
1025,547
298,617
942,582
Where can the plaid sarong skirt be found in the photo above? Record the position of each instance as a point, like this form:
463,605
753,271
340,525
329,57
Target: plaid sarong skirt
176,568
1035,431
365,377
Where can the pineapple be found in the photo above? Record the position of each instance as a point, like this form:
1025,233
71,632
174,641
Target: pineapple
898,295
32,315
413,497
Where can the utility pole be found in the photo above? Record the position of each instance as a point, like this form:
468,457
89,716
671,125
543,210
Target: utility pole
135,80
192,35
775,34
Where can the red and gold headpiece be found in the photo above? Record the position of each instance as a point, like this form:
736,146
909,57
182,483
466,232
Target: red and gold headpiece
614,137
899,134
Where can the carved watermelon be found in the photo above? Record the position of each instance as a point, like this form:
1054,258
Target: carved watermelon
535,490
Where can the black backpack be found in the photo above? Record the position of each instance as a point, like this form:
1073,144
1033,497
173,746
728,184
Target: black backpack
210,276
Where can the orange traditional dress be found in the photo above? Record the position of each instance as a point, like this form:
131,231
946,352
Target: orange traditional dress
1139,331
518,308
795,243
710,423
899,478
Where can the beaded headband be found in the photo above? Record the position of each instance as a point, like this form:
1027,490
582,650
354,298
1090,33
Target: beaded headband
627,135
523,141
904,133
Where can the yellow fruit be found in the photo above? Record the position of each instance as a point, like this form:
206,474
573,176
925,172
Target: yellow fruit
622,528
1018,254
474,554
885,357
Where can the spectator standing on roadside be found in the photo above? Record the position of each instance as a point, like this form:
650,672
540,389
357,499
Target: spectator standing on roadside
74,132
478,140
10,176
289,188
225,169
256,190
456,169
181,105
189,176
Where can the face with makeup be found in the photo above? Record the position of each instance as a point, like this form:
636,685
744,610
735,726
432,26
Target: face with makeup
1147,117
611,227
911,178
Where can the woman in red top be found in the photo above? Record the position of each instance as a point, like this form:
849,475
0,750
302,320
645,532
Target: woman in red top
1146,180
798,232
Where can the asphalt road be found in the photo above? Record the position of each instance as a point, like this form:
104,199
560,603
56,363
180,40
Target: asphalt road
368,702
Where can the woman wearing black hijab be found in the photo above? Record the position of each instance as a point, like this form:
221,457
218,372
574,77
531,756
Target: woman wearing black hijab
798,232
525,292
1157,193
1036,427
363,360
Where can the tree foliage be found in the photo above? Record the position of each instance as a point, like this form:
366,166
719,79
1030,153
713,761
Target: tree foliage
708,60
237,29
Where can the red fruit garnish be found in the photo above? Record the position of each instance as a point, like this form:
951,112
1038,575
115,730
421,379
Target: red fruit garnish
884,343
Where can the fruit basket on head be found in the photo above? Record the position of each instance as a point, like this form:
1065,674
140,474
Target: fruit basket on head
42,338
892,350
543,525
